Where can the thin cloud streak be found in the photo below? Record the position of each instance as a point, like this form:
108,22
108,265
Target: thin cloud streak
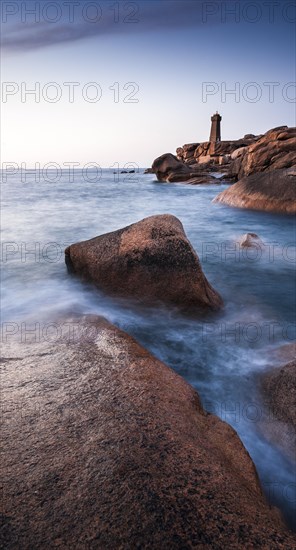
152,16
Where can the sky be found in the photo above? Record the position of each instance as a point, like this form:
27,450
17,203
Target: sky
124,82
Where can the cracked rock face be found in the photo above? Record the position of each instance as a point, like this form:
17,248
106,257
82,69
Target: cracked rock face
151,261
105,447
273,151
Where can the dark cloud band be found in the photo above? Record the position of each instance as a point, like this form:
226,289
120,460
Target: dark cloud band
64,22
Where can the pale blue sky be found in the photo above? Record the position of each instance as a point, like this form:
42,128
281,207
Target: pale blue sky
170,54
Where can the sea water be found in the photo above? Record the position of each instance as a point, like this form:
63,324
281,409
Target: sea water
221,355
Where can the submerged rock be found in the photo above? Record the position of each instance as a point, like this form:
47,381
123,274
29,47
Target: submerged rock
284,354
272,191
251,240
106,447
151,260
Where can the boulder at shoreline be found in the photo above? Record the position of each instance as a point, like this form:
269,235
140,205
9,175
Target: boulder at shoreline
105,447
271,191
168,168
151,261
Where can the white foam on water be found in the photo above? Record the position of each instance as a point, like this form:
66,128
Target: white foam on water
220,354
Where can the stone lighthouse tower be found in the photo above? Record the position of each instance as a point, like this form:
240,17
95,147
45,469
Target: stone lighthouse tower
215,134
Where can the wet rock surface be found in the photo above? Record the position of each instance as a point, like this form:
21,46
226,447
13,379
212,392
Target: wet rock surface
251,240
278,387
106,447
151,261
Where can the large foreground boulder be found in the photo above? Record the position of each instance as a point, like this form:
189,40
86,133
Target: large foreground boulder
169,168
272,191
151,260
104,447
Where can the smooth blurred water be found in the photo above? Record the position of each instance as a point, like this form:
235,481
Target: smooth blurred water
221,354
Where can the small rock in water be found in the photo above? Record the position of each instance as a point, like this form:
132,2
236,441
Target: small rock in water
249,240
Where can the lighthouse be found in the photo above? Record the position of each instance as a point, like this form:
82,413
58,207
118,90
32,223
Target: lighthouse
215,134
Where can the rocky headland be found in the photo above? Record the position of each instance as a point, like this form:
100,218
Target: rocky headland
106,447
262,168
213,153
